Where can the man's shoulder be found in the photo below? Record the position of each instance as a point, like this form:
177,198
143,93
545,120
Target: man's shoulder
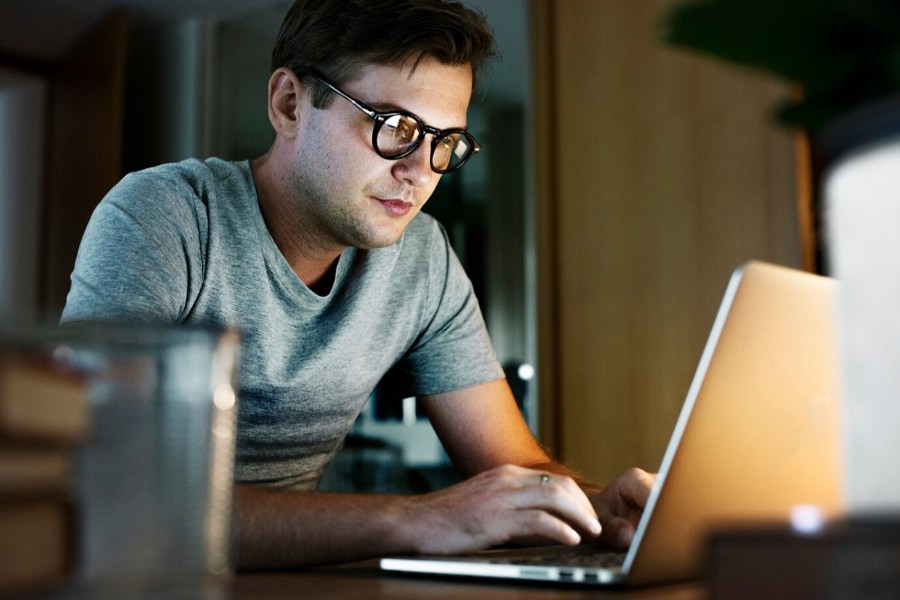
192,173
187,189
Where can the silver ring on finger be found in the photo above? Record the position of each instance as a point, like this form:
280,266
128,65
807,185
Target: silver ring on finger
545,479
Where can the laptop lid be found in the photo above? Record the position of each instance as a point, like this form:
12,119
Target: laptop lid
756,438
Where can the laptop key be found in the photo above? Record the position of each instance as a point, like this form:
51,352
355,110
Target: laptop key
591,559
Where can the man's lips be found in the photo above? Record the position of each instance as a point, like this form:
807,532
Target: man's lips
395,206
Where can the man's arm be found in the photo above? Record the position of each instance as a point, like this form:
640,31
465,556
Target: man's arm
283,529
504,499
481,427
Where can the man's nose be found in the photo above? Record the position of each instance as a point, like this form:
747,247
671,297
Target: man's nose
416,167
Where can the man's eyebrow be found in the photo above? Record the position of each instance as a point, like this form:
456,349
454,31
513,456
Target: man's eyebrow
388,107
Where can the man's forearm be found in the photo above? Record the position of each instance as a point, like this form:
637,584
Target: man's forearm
279,529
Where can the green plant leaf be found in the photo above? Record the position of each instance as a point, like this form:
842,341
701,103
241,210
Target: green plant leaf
876,16
842,52
783,37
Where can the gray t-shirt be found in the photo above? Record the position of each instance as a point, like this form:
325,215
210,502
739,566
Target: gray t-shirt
186,243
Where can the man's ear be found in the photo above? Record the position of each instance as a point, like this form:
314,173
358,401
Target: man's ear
285,91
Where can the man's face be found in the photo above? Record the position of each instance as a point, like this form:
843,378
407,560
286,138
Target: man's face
346,194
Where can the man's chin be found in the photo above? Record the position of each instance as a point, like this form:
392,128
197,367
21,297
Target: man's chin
380,238
376,241
377,245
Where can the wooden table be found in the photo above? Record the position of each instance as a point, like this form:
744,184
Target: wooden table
367,582
354,582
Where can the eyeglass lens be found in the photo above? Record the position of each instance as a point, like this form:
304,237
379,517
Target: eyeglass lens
400,134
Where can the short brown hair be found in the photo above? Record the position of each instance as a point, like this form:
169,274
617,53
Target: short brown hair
339,37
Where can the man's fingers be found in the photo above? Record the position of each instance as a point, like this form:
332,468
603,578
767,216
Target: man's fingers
529,492
621,504
639,483
516,503
551,487
619,532
543,524
570,505
574,490
555,494
506,504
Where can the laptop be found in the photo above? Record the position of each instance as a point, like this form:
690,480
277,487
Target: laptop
756,442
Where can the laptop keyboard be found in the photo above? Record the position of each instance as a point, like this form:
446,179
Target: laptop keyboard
590,558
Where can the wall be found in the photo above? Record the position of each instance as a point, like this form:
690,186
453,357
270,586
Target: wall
22,127
657,173
237,124
166,91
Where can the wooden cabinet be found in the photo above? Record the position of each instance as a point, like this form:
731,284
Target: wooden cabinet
657,172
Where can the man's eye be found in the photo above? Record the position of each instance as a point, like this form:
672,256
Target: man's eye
406,130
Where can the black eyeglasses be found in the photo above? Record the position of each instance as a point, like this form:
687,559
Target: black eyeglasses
397,133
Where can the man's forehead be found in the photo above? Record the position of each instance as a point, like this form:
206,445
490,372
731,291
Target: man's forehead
418,71
425,88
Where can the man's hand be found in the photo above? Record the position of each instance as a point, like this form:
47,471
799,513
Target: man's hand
283,529
280,529
620,505
501,505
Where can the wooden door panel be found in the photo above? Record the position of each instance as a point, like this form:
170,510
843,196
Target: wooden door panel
85,147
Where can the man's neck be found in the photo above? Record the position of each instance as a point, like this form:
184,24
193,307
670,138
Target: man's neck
314,265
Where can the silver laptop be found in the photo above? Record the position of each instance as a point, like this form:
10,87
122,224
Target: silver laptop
756,442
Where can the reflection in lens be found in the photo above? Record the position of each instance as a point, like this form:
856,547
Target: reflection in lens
398,134
450,151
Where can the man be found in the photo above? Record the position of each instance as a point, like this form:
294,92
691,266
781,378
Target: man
318,252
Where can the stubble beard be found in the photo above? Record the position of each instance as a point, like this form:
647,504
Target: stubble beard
337,224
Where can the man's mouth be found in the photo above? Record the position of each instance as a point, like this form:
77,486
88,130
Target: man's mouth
396,207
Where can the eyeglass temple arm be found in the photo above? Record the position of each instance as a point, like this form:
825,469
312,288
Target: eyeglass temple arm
370,112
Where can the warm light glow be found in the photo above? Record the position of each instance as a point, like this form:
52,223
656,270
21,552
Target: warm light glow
224,396
807,518
526,372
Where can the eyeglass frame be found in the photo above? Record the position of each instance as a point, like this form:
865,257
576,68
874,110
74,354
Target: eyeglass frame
380,118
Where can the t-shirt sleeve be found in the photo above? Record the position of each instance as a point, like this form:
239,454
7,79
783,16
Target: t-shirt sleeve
140,259
453,351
